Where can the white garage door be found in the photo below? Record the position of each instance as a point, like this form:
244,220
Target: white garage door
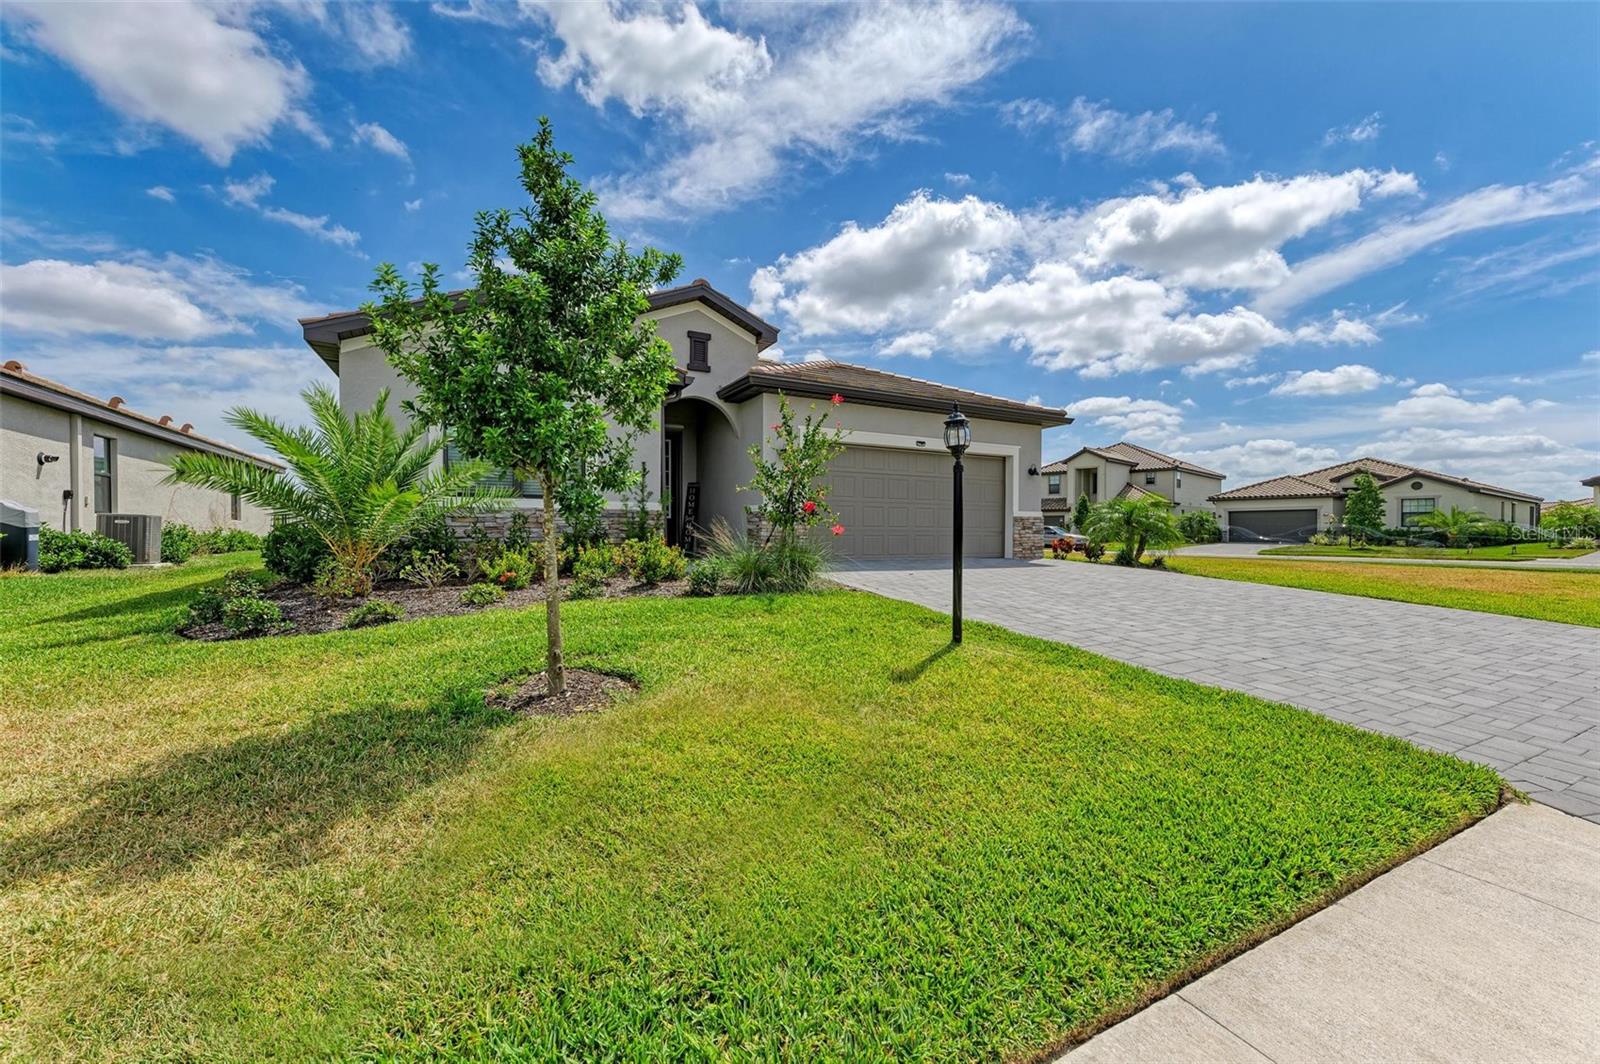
896,504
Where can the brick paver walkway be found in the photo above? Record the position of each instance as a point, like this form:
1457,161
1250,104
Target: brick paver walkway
1522,696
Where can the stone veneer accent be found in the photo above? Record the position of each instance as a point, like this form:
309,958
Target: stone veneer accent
1027,538
498,524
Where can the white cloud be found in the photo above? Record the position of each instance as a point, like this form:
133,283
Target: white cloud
1441,160
1228,236
1337,329
918,344
250,192
143,297
1249,382
1590,356
1348,379
1439,402
1526,460
958,180
201,71
1091,128
1258,459
414,204
247,192
905,269
1361,132
162,192
1149,418
744,111
380,139
1396,241
375,32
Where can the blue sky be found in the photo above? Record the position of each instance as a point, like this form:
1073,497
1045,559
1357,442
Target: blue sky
1265,237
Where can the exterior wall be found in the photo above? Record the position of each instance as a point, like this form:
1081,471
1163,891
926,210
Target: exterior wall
1112,477
1194,495
1446,495
140,464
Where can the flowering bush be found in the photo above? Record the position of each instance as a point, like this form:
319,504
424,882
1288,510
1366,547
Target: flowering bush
1061,545
789,484
512,570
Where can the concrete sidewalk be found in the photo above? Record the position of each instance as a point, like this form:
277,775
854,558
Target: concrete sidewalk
1482,949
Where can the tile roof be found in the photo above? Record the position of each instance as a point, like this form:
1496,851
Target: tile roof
1131,490
1143,460
15,378
1332,480
879,387
1056,504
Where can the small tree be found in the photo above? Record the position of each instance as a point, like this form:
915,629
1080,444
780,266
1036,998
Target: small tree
1456,524
1200,526
1080,515
359,484
1565,520
545,367
790,485
1363,508
1138,524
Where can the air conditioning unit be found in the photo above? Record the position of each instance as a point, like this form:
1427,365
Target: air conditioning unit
140,533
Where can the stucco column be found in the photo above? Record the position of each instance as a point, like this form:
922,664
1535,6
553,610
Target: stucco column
75,470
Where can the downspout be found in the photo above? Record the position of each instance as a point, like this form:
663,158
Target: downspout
75,471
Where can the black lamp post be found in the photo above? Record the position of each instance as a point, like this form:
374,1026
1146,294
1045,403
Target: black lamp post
957,437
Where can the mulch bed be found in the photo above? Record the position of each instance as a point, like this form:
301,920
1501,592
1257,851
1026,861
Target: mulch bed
587,692
309,613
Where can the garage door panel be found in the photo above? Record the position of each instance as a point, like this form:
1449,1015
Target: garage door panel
896,504
1291,525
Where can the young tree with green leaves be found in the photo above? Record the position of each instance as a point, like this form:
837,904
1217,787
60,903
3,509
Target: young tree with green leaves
790,484
1080,515
545,367
1139,524
359,483
1363,508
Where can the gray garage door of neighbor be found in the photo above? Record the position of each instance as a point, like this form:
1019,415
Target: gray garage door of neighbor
896,504
1295,526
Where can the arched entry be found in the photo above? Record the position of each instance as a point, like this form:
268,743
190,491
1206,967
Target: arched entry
702,464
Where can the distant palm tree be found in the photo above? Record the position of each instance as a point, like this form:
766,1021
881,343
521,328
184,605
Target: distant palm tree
1455,523
359,483
1137,524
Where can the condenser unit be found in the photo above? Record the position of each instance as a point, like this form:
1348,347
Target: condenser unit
140,533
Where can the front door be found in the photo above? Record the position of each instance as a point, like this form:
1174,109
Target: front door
671,460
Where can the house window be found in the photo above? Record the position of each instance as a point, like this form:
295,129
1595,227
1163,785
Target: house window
105,474
233,506
1052,483
527,489
700,351
1149,478
1177,480
1411,509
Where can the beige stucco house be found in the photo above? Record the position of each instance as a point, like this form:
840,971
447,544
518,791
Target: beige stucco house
1122,470
1296,506
891,486
71,456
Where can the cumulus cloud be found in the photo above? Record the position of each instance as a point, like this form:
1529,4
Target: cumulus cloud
141,296
1337,329
1349,379
1259,459
377,34
1249,382
1091,128
740,111
200,70
161,192
1531,461
1359,132
1440,402
250,193
1150,419
380,139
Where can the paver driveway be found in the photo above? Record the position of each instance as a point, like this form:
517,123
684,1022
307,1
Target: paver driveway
1522,696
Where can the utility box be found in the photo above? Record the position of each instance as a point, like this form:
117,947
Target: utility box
140,533
19,536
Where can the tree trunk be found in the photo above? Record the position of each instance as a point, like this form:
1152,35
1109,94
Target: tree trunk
555,670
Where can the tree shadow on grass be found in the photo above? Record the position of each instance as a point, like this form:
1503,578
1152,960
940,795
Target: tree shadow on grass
135,607
275,797
912,673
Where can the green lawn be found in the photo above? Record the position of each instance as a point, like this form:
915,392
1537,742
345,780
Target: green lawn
1546,595
816,833
1519,552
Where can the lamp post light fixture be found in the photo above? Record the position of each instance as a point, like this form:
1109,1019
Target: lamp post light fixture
957,437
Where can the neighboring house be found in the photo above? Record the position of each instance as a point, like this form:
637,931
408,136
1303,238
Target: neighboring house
71,456
891,486
1293,507
1126,470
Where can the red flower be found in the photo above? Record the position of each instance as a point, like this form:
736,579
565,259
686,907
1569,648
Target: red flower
837,530
837,399
777,426
809,507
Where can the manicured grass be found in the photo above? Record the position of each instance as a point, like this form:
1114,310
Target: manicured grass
1546,595
816,832
1508,552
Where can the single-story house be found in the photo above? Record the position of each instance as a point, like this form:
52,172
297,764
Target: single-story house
1124,470
71,456
891,486
1294,507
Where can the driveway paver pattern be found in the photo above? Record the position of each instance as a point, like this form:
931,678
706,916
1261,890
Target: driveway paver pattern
1520,695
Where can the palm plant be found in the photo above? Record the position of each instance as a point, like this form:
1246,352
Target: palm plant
1455,523
359,483
1137,524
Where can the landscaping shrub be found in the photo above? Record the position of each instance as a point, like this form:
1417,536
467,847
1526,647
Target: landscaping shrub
591,568
178,542
374,611
1094,551
650,561
294,551
429,569
210,605
249,615
226,541
482,595
519,537
705,577
1125,556
60,551
753,567
510,569
1061,545
1200,526
336,580
1584,543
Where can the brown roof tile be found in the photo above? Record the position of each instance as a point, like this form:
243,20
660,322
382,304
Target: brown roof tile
1143,460
881,388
